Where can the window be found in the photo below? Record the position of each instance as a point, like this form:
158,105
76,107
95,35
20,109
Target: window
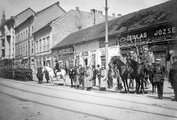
48,43
32,45
40,45
44,46
26,49
37,47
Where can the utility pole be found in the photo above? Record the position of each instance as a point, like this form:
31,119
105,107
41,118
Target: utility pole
106,33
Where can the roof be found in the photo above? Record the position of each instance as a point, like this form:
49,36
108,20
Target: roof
22,16
48,24
27,19
48,14
159,13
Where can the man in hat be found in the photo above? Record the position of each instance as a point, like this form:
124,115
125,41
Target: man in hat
173,77
103,80
159,74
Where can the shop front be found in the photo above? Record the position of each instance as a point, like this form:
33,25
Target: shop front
65,57
160,39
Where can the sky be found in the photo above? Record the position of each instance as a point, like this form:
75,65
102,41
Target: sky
13,7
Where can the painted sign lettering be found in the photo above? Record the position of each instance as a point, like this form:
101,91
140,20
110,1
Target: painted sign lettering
165,31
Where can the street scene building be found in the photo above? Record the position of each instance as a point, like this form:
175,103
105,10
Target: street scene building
58,64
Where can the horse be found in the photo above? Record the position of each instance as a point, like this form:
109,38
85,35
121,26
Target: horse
138,72
123,71
51,73
61,75
150,73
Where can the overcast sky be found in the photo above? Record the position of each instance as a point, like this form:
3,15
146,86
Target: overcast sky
13,7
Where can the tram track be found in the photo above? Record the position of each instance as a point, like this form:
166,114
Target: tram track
93,95
84,102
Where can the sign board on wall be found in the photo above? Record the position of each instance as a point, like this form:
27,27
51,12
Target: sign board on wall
64,51
150,34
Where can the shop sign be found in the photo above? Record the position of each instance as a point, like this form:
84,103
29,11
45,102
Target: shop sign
65,51
149,34
112,42
165,31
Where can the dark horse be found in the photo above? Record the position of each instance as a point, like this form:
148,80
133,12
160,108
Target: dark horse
132,70
138,72
123,70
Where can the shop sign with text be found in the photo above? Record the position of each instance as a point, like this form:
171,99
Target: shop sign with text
149,34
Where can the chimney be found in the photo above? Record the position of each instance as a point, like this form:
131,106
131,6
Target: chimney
58,3
113,15
77,8
119,15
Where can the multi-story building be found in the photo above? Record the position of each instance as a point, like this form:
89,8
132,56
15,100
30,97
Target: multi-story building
7,40
153,28
74,20
42,32
24,44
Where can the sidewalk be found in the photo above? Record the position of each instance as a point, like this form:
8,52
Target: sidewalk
168,92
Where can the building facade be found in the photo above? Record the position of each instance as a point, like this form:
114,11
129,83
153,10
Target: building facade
74,20
43,33
24,46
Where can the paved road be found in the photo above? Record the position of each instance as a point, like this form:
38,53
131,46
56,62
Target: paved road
33,101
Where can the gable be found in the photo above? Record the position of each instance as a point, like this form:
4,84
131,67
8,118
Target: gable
45,16
21,17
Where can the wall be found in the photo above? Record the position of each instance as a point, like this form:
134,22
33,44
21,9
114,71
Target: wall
73,21
91,47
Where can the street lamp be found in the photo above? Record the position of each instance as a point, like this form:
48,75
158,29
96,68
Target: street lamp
106,33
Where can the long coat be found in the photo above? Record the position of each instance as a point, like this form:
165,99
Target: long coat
103,81
88,78
159,74
39,74
173,75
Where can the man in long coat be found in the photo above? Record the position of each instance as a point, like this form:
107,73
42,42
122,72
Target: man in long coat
159,77
173,77
39,74
103,81
88,78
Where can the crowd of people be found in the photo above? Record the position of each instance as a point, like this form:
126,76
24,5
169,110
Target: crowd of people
86,77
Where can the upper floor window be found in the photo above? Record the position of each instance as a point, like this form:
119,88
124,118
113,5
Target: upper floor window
48,43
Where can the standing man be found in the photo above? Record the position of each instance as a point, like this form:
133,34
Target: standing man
88,78
82,76
39,74
173,77
94,75
110,76
72,75
98,74
159,77
103,81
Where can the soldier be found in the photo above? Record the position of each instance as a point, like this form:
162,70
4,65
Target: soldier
103,81
173,77
72,75
88,78
98,74
94,75
159,74
82,76
110,76
39,74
